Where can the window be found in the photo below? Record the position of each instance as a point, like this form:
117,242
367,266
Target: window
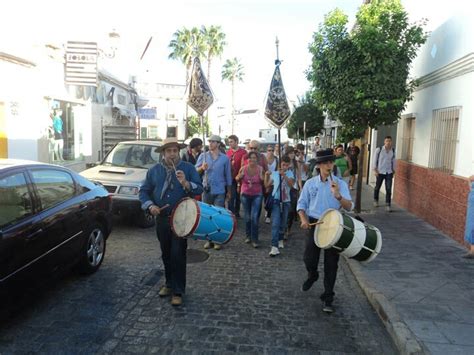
16,200
53,186
444,139
152,132
172,132
407,138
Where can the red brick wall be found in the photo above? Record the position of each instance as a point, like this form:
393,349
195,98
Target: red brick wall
438,198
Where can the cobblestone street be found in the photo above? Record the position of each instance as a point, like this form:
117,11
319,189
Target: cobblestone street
239,300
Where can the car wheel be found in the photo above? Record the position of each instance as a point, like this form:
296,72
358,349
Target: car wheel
93,252
145,219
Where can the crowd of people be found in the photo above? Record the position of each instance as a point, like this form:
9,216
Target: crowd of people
283,182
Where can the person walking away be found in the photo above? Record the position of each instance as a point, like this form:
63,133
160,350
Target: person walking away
384,169
192,153
469,231
217,180
302,163
353,152
235,155
250,178
280,207
272,161
343,163
319,194
165,185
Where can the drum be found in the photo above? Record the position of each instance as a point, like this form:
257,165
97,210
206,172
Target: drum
202,221
351,237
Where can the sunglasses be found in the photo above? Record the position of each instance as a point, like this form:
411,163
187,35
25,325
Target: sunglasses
253,148
270,150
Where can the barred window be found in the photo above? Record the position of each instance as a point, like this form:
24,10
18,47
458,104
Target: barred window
444,139
407,138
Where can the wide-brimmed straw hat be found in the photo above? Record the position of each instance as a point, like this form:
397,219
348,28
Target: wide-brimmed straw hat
324,155
169,142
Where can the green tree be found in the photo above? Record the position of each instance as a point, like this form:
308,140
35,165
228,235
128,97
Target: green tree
361,77
214,40
309,112
195,125
233,71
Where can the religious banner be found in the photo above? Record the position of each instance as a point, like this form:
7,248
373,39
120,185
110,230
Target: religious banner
277,110
200,94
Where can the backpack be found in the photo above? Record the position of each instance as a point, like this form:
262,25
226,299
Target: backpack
377,156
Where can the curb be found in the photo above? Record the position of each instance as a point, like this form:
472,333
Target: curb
404,339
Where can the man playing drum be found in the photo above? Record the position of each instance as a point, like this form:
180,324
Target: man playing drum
165,185
320,193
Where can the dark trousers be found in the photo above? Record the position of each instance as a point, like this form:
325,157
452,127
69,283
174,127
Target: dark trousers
388,187
173,253
292,214
234,202
311,259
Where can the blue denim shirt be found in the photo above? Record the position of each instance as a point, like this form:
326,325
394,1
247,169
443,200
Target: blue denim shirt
317,197
150,191
218,173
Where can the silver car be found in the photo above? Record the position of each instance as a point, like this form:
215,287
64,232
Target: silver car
122,172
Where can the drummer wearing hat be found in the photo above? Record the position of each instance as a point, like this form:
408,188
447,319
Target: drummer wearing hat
320,193
165,185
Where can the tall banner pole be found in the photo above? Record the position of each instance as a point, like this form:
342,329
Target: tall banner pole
277,110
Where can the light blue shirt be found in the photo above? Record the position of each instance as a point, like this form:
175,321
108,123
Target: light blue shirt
317,197
218,173
286,187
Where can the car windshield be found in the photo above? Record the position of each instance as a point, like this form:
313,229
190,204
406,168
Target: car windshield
133,156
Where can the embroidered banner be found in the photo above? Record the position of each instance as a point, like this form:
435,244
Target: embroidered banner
200,94
277,110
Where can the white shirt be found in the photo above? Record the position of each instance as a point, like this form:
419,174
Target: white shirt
384,160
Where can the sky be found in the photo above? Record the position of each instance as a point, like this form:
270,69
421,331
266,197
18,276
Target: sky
251,27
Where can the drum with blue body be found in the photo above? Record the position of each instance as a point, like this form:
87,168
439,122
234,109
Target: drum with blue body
198,220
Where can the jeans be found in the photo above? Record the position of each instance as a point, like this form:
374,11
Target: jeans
214,199
311,260
279,221
252,205
388,187
234,203
173,254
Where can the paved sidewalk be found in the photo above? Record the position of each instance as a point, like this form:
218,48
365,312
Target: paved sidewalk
420,286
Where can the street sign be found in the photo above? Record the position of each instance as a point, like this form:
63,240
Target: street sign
81,63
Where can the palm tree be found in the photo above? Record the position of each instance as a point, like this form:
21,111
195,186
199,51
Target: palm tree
185,45
233,70
214,40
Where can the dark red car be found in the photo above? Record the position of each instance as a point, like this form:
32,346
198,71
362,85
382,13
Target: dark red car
50,218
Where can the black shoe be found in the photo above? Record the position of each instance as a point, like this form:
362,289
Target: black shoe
327,307
309,282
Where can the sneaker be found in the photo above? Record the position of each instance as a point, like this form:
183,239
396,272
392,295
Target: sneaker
208,245
164,291
255,245
388,208
468,256
247,240
376,203
281,245
176,300
309,282
217,247
274,251
327,307
267,220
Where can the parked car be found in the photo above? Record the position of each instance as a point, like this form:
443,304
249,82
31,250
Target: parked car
50,218
122,172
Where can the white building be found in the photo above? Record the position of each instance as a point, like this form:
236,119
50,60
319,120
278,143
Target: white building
435,146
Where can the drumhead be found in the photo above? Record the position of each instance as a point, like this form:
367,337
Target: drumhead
184,218
328,233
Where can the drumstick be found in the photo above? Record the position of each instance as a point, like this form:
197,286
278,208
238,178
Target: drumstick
174,168
315,223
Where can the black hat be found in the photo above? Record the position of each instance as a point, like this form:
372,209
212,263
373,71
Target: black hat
325,155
